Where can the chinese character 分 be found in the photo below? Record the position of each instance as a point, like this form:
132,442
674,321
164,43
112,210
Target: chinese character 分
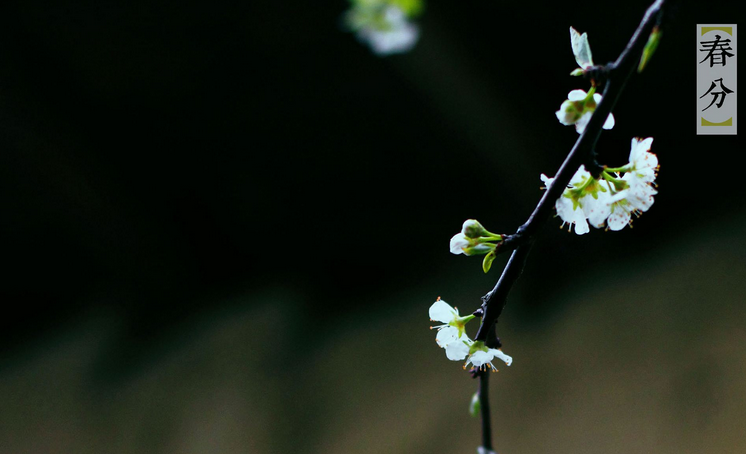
717,53
724,91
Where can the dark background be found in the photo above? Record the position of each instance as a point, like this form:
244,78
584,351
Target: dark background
167,168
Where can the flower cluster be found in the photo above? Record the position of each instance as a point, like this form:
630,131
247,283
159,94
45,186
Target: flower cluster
385,25
613,198
452,337
579,105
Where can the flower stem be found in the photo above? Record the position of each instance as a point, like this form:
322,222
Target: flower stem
484,405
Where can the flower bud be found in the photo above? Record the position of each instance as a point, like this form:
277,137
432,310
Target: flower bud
479,249
650,46
473,229
459,243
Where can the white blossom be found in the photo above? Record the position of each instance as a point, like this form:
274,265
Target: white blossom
569,206
571,214
578,108
453,329
482,358
637,197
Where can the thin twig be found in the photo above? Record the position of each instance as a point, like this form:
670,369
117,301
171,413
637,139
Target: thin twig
484,405
618,73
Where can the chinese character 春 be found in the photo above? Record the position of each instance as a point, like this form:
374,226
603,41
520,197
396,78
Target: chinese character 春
717,53
724,91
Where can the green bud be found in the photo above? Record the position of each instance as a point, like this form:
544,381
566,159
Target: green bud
577,72
474,406
473,229
479,249
650,46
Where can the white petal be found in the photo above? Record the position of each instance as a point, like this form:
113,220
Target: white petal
581,227
480,358
618,219
499,354
458,243
640,194
546,180
565,116
469,224
442,312
580,48
649,161
564,208
580,176
645,144
597,209
576,95
447,335
633,151
583,122
609,122
458,350
640,158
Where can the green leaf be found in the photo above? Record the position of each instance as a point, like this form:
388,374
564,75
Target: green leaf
580,48
487,262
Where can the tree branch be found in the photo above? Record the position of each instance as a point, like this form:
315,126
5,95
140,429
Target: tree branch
617,74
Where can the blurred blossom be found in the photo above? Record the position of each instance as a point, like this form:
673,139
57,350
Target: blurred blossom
395,35
385,25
